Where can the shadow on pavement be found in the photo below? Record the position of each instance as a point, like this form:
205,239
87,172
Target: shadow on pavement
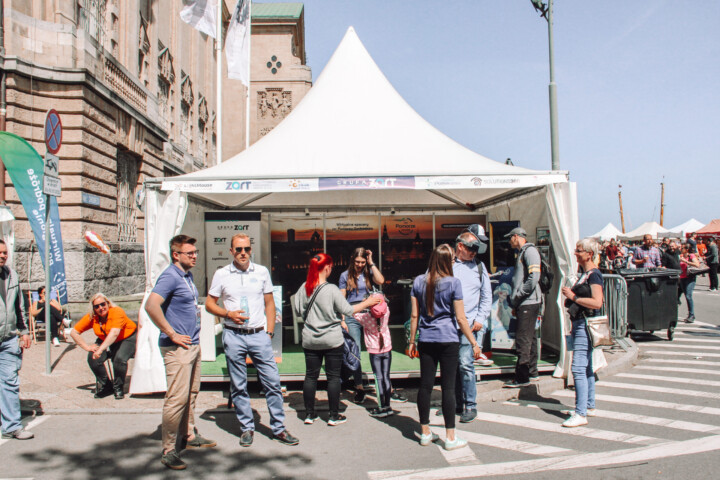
109,460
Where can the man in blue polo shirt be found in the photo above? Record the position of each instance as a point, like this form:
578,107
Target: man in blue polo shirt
249,312
173,307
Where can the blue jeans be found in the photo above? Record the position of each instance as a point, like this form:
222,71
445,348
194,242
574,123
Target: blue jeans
688,287
582,370
465,383
258,347
10,362
356,332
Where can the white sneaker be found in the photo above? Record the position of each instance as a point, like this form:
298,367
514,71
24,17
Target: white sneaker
575,421
66,321
426,440
591,412
484,361
56,342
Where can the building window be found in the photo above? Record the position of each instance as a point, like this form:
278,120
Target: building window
127,179
90,18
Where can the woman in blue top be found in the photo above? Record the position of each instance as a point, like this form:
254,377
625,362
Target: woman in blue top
583,375
355,284
437,303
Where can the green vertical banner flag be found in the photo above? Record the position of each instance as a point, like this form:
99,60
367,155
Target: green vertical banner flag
25,167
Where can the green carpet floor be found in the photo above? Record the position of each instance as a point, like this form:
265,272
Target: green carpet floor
293,360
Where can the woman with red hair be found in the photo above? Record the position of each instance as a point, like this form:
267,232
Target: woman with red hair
322,306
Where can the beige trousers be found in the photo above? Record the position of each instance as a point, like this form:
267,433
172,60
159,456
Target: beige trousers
182,368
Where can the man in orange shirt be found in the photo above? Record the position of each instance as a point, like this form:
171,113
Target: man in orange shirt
116,341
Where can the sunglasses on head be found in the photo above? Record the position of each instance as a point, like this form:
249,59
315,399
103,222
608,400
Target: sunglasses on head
243,249
99,305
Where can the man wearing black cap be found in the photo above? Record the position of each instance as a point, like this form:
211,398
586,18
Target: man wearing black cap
526,299
477,299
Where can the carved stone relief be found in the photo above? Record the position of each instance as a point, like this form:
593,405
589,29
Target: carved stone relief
274,103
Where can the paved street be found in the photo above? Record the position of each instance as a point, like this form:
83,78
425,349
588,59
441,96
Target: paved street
660,419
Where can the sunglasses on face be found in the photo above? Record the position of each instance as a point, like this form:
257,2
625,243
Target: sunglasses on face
99,305
194,253
243,249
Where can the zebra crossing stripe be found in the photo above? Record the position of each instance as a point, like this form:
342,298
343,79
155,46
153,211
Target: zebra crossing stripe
31,424
626,417
695,340
700,371
684,407
675,345
557,428
509,444
691,381
684,362
653,388
684,354
586,460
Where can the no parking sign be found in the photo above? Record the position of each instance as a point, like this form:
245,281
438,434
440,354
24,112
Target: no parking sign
53,131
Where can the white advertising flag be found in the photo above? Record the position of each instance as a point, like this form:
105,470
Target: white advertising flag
237,43
201,15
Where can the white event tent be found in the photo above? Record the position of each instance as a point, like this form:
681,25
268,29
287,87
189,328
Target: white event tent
649,228
354,146
690,226
608,232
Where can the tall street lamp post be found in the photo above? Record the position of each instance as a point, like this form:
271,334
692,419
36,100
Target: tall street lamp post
546,11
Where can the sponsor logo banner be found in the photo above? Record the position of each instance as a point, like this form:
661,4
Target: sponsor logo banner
366,183
244,186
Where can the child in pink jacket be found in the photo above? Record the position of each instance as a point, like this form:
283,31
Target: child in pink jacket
379,346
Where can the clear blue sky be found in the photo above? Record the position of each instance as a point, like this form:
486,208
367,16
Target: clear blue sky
638,89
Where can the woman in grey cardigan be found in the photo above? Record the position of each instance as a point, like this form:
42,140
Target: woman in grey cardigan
323,306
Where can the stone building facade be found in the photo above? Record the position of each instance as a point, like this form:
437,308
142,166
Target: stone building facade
135,88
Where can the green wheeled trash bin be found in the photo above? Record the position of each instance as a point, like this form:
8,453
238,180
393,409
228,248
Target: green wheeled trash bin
652,302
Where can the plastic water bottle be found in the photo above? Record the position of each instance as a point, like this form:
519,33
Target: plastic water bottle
245,308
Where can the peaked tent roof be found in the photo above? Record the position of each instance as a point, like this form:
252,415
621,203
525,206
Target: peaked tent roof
690,226
651,228
353,123
608,232
711,228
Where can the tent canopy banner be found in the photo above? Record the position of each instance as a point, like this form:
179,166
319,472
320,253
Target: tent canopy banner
318,184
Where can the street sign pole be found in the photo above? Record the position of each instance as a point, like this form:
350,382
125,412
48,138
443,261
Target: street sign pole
51,187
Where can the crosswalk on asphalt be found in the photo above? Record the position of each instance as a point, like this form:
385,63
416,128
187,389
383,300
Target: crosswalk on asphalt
663,407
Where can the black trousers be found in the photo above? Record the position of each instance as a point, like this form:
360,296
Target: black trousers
526,343
713,274
447,354
119,352
333,364
56,319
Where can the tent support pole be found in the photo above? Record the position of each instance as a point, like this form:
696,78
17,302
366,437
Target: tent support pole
453,200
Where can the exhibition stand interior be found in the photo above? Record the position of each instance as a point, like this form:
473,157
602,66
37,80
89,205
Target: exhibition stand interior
354,165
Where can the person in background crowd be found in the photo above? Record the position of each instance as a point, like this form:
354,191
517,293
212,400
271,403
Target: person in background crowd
582,368
174,308
13,322
116,341
701,248
322,305
647,256
671,256
477,300
664,245
438,312
612,251
244,285
692,243
687,280
526,300
713,259
37,310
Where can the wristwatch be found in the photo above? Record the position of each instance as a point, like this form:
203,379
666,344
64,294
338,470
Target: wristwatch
271,334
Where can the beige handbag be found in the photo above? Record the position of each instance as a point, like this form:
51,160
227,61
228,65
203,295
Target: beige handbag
599,330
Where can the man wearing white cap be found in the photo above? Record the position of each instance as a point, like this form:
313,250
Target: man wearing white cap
477,298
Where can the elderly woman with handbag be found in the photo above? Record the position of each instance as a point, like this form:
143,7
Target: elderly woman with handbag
583,300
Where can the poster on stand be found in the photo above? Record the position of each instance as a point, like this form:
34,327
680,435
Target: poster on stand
219,230
346,233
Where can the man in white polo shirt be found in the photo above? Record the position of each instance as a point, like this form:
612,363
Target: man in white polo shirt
249,333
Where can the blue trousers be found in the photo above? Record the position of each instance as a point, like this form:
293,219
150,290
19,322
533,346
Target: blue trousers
380,363
582,370
356,332
10,362
465,384
258,347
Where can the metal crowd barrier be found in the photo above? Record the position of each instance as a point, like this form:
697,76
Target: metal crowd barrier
615,305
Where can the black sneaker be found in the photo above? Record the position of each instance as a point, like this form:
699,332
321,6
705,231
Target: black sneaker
359,396
200,442
119,394
286,438
246,438
105,391
468,415
172,461
397,397
515,384
337,420
381,412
